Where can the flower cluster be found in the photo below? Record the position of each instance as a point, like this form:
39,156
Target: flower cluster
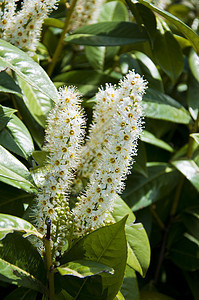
108,153
64,135
85,12
22,27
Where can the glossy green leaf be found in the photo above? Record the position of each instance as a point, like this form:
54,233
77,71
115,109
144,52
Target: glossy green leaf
40,157
129,288
168,54
25,67
5,115
106,245
9,224
141,191
37,103
185,254
161,106
8,85
138,244
113,11
143,65
21,264
195,136
191,220
13,172
107,34
192,96
54,23
87,81
182,27
194,64
37,131
16,138
141,160
83,269
189,169
22,293
148,137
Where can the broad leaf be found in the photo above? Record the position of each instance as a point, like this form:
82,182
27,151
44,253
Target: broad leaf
195,136
193,96
88,82
185,254
107,246
141,191
13,172
182,27
129,288
16,138
8,85
54,23
25,67
191,220
148,137
194,63
142,64
161,106
21,264
139,248
5,115
9,224
84,268
37,103
107,34
22,293
168,55
189,169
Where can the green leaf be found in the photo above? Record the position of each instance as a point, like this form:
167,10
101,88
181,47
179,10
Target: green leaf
84,268
22,293
193,279
37,103
148,137
161,106
8,85
139,248
129,288
37,131
195,136
26,68
16,138
87,81
54,23
141,191
40,157
142,64
113,11
13,172
106,245
185,254
9,224
189,169
190,218
194,63
141,160
182,27
107,34
5,115
21,264
168,55
192,96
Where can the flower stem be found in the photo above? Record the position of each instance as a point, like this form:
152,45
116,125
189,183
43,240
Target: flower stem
61,40
50,272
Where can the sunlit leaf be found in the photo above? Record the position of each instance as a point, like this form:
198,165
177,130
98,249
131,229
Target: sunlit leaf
148,137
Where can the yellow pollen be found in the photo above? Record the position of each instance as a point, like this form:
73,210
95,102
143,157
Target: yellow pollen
41,229
57,162
88,210
44,202
50,211
133,127
31,26
109,180
61,173
98,190
112,160
122,124
53,187
95,218
67,100
126,137
101,199
99,154
67,120
71,132
19,33
117,170
64,149
4,21
118,148
132,82
130,115
104,99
